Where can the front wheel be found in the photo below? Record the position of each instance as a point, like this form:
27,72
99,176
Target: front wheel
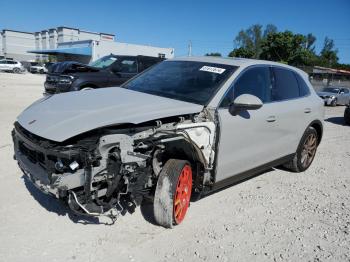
305,153
16,70
173,193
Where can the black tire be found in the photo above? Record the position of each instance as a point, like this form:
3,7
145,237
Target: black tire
347,115
298,163
334,102
41,71
16,70
166,191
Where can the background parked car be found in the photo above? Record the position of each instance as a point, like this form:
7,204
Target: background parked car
333,96
38,68
13,66
111,70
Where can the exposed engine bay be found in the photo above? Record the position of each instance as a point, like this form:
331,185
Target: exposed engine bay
113,169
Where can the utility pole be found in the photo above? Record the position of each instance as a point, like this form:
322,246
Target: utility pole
190,48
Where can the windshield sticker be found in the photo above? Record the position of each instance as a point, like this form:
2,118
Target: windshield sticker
212,69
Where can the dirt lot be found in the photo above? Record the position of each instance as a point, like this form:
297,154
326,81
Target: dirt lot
277,216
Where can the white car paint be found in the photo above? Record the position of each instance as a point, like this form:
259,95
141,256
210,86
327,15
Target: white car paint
65,115
246,142
38,69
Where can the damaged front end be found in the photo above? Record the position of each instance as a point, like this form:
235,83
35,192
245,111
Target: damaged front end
111,170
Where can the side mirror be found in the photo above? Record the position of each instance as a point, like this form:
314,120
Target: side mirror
245,102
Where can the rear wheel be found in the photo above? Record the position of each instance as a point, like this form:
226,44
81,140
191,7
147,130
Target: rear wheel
173,193
305,153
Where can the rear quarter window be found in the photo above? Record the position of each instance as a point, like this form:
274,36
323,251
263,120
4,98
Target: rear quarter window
285,85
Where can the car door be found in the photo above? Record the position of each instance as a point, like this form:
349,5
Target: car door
293,109
11,65
247,139
122,70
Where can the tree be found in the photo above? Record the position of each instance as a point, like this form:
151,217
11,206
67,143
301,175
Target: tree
294,49
285,47
328,55
270,29
241,52
213,54
252,38
310,42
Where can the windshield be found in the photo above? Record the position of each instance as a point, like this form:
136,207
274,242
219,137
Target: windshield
104,62
194,82
331,90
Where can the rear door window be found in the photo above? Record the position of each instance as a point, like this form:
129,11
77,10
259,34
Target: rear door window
129,66
125,65
285,85
303,87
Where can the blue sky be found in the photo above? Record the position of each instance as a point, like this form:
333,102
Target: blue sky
210,25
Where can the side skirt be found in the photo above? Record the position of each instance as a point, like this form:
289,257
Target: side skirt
250,173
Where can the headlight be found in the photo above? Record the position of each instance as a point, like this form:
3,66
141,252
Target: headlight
66,80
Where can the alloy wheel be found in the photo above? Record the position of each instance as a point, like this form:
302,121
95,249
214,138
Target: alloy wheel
309,150
183,194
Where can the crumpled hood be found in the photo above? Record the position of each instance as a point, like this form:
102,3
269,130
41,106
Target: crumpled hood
66,115
326,94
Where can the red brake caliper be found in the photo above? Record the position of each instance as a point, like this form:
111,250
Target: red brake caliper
183,194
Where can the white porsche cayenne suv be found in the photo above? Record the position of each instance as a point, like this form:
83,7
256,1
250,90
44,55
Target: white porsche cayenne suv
183,128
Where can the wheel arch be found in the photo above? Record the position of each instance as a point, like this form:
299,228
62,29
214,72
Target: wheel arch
84,85
317,124
184,150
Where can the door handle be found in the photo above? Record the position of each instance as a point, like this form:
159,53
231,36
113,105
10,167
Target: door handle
271,119
307,110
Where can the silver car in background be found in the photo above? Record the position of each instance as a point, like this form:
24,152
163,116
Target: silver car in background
184,128
334,96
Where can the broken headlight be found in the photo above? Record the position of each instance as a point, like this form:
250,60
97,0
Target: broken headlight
66,80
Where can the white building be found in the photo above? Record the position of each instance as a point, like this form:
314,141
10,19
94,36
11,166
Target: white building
66,43
15,45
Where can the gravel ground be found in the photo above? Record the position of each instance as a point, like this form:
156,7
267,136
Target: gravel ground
277,216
